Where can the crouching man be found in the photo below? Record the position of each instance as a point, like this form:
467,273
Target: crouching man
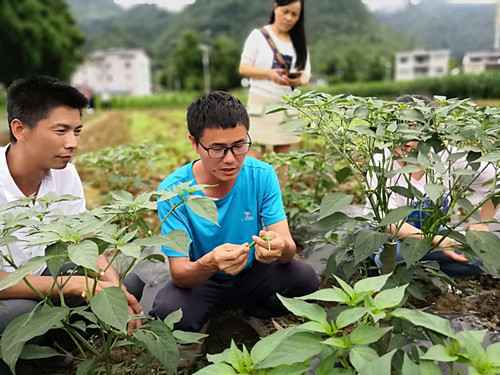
249,257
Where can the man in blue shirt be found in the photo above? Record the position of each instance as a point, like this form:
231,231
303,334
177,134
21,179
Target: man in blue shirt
222,270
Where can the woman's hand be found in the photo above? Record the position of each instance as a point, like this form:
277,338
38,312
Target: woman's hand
279,76
296,79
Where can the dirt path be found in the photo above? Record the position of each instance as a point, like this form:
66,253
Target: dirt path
104,130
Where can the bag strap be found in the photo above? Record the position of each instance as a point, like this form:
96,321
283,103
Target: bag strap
277,55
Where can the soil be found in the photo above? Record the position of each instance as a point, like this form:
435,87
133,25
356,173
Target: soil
104,130
478,300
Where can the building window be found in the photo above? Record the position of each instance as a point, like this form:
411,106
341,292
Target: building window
422,58
475,59
127,65
403,60
421,71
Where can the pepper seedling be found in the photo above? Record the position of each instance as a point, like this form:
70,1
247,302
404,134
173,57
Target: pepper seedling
266,238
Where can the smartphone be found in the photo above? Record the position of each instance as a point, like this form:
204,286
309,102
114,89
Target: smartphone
294,75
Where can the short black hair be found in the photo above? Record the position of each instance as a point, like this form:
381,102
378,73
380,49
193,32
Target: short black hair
31,99
217,109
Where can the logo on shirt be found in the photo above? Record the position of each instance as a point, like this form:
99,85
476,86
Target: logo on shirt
247,216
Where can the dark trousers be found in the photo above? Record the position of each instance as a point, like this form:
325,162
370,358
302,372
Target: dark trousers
253,290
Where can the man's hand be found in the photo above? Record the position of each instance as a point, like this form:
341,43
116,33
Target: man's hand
269,247
110,274
446,245
83,287
230,258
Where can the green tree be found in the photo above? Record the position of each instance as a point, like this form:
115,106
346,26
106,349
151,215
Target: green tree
187,62
225,58
37,37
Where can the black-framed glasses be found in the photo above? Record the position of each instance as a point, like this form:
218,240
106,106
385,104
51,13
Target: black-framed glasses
220,151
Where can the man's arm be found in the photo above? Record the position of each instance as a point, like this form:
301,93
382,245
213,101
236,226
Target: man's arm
446,244
227,258
73,285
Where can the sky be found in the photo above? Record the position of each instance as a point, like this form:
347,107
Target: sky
172,5
176,5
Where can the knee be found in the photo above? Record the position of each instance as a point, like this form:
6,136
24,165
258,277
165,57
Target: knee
194,315
305,278
11,309
134,285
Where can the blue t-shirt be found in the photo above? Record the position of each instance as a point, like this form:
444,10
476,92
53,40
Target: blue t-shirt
253,202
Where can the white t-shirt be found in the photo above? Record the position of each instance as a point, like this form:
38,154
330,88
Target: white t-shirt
477,191
258,53
57,181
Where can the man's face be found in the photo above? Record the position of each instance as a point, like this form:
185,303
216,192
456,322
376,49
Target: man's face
53,141
226,168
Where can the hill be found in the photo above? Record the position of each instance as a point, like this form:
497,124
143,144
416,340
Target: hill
437,24
85,11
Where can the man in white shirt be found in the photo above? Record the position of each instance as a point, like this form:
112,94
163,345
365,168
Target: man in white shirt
44,117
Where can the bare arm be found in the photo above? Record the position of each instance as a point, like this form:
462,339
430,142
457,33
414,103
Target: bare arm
486,213
45,285
409,231
250,71
276,75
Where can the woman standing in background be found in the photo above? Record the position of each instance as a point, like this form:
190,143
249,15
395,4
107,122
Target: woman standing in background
276,60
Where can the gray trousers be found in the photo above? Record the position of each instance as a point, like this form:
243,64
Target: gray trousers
254,290
12,308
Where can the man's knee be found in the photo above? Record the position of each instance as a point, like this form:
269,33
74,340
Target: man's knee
305,279
171,298
134,285
12,308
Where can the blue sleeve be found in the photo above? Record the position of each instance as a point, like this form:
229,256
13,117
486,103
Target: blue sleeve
273,210
176,221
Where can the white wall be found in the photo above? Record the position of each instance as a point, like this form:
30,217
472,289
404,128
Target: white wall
115,72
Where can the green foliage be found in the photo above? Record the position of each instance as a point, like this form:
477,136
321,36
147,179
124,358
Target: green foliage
310,176
366,132
481,86
353,338
119,168
163,100
224,60
37,38
187,63
118,230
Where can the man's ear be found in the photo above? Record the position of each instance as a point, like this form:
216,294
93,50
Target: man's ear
18,129
191,139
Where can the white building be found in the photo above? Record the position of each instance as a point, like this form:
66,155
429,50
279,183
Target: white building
481,61
421,64
115,72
